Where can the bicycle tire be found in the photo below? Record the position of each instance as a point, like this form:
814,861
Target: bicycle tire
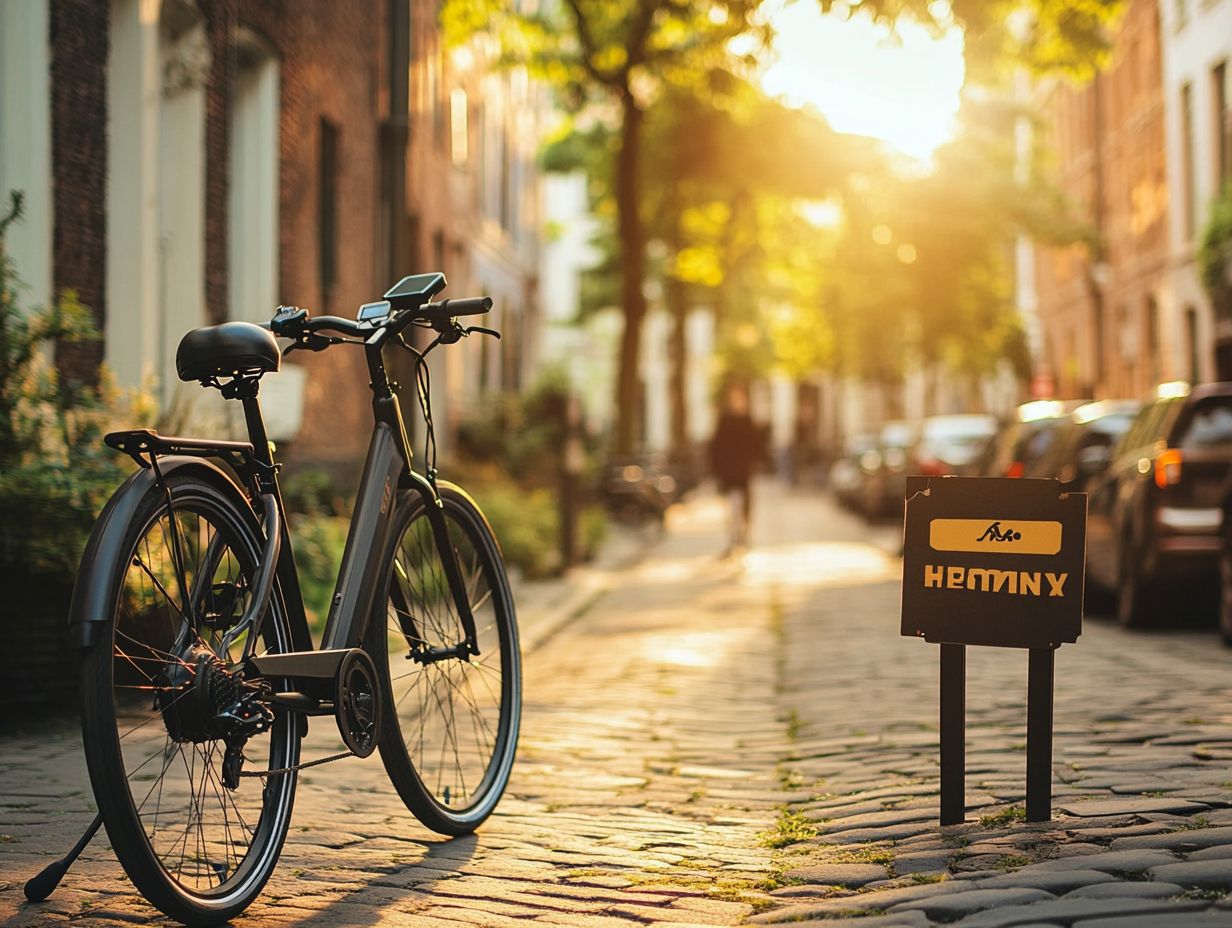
113,713
418,736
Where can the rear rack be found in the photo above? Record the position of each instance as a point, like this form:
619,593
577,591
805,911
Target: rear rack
142,445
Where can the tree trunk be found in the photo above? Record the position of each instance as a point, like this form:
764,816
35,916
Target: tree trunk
678,352
633,266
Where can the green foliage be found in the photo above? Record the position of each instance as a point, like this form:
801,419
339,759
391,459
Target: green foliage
318,541
509,456
789,828
313,491
1068,37
1004,818
1215,255
520,435
526,522
55,472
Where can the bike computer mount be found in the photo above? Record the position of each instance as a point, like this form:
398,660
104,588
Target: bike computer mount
414,291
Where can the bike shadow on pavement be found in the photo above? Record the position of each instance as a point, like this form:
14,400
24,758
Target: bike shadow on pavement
372,894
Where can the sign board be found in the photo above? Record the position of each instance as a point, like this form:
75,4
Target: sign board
993,561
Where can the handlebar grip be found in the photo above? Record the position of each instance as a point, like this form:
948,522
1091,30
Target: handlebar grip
335,324
467,306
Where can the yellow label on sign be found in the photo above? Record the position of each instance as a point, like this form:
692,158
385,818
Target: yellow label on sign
1000,536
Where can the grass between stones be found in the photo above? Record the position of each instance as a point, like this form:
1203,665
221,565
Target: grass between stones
1012,862
1207,895
1195,823
1004,817
789,828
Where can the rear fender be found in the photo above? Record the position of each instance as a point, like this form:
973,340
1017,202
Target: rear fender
98,578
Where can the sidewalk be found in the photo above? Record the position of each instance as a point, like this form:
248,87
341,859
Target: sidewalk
710,740
546,606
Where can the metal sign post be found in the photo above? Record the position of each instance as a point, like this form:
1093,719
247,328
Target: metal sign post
994,562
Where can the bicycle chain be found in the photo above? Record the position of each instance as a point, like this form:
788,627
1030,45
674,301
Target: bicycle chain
303,766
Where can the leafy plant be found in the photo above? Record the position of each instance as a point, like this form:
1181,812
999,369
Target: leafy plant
55,473
1215,255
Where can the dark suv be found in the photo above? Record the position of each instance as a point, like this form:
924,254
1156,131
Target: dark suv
1155,514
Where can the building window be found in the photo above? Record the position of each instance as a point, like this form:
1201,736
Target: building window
25,140
1188,191
438,251
327,209
1191,344
1097,319
436,94
1152,336
253,207
459,130
1223,126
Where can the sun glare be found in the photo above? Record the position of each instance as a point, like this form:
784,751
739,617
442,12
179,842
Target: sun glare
902,89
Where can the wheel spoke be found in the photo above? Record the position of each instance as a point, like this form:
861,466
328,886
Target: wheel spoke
199,833
453,729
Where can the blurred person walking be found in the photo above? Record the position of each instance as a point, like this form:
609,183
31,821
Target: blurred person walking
735,451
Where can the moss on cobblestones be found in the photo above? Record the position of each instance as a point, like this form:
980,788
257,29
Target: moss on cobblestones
1210,895
790,828
1004,817
1012,862
1195,823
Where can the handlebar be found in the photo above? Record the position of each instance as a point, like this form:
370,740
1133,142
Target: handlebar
309,331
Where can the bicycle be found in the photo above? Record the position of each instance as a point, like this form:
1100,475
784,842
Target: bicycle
200,675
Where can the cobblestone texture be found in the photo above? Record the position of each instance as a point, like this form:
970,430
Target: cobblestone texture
710,741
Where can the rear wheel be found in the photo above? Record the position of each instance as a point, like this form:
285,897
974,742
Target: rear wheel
164,702
451,719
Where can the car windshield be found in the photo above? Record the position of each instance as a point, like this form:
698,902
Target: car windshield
896,435
958,439
1209,424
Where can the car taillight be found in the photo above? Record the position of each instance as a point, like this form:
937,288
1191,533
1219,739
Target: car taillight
1015,470
1168,468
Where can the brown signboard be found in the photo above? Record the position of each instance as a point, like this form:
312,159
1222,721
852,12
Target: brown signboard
993,561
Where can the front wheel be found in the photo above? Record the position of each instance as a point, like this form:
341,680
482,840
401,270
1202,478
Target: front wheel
451,719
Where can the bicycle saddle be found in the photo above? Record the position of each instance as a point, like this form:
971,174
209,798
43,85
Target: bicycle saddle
227,350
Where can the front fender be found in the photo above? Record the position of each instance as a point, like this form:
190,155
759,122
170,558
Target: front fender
101,572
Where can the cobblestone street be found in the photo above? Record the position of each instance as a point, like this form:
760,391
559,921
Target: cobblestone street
710,741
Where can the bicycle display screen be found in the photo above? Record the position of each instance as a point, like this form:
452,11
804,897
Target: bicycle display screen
373,311
425,286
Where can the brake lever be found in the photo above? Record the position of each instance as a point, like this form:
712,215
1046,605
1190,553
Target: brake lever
481,330
313,341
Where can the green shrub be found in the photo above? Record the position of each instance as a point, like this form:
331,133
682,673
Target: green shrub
318,542
526,524
313,491
1215,254
55,472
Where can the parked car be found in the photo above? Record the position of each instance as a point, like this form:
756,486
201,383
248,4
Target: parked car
884,470
1155,515
1026,438
1082,445
846,477
951,445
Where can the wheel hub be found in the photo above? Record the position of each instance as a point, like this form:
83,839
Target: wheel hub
204,701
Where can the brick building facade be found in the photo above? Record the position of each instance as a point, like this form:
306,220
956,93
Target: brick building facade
210,159
1099,302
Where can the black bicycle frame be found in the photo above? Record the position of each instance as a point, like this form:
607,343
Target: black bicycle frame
387,470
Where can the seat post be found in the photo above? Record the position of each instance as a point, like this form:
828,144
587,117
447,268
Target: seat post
257,435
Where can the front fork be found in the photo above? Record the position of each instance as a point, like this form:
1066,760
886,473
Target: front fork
435,510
